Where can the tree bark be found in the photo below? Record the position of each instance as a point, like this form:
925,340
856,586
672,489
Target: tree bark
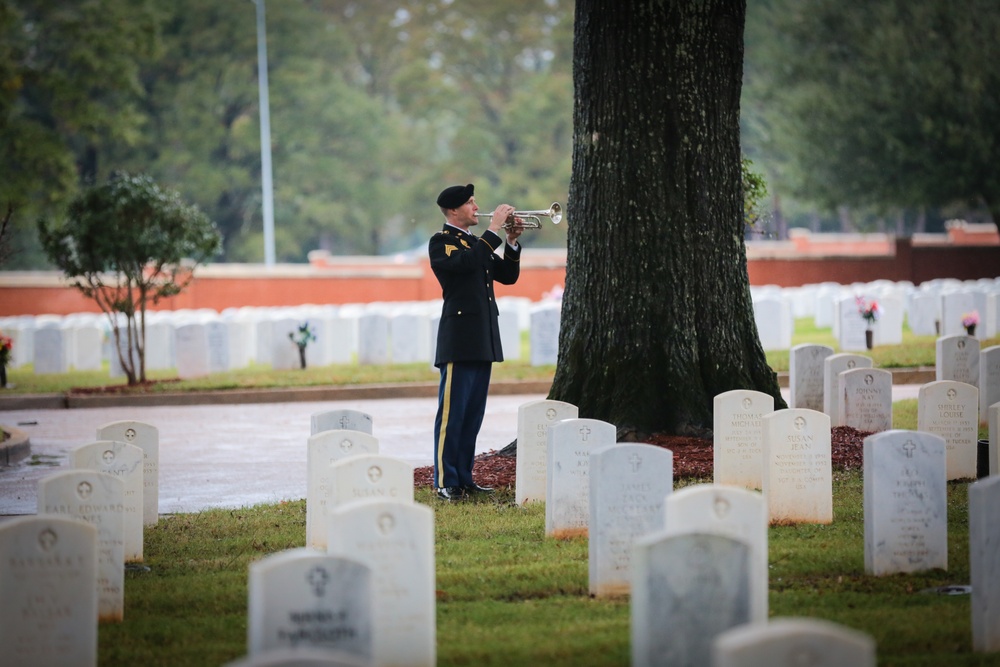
656,316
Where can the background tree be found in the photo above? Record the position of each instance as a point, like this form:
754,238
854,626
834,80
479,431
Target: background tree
882,106
656,316
69,90
127,244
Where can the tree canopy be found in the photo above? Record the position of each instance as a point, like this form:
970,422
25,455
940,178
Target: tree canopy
885,105
881,103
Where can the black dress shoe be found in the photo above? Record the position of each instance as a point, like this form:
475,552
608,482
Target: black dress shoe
450,493
475,488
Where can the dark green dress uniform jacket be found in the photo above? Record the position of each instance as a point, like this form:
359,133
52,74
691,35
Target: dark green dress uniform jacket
466,267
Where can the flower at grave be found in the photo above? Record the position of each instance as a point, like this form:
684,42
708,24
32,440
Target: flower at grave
6,345
970,319
869,310
302,336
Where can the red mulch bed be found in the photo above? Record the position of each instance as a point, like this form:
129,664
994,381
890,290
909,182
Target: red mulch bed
692,458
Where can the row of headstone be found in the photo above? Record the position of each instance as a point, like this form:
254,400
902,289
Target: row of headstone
199,342
819,380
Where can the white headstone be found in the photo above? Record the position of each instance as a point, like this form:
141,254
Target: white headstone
798,472
373,338
191,345
728,511
567,488
533,422
794,642
305,599
865,399
510,333
544,334
345,419
953,306
950,410
888,330
851,326
322,450
805,375
686,590
989,380
984,563
923,313
124,461
48,584
737,434
147,438
628,485
410,337
369,477
50,350
905,502
87,340
833,365
396,540
98,499
957,359
773,317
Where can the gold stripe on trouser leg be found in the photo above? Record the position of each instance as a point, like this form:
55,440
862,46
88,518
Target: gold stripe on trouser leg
446,407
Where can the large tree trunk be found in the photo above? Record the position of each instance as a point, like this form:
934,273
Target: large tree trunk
656,316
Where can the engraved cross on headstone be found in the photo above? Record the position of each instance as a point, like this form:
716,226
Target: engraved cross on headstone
636,461
345,422
317,578
908,447
584,433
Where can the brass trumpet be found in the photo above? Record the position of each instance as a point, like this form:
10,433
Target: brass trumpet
531,219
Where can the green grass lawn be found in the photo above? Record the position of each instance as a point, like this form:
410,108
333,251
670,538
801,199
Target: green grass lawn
507,595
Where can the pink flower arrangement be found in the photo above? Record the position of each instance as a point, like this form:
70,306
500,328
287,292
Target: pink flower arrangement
6,345
970,319
869,310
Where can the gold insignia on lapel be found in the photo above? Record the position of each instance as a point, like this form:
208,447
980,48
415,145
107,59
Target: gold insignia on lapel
465,243
448,249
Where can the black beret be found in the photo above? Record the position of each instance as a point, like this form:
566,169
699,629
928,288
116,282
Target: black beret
455,196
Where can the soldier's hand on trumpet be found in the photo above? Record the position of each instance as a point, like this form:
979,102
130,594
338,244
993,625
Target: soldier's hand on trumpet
503,218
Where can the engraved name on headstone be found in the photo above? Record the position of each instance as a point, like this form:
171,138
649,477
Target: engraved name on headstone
950,410
395,540
323,449
567,489
147,438
533,422
628,485
305,599
737,437
905,502
728,511
805,375
125,462
48,584
686,590
798,474
865,399
833,365
98,499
